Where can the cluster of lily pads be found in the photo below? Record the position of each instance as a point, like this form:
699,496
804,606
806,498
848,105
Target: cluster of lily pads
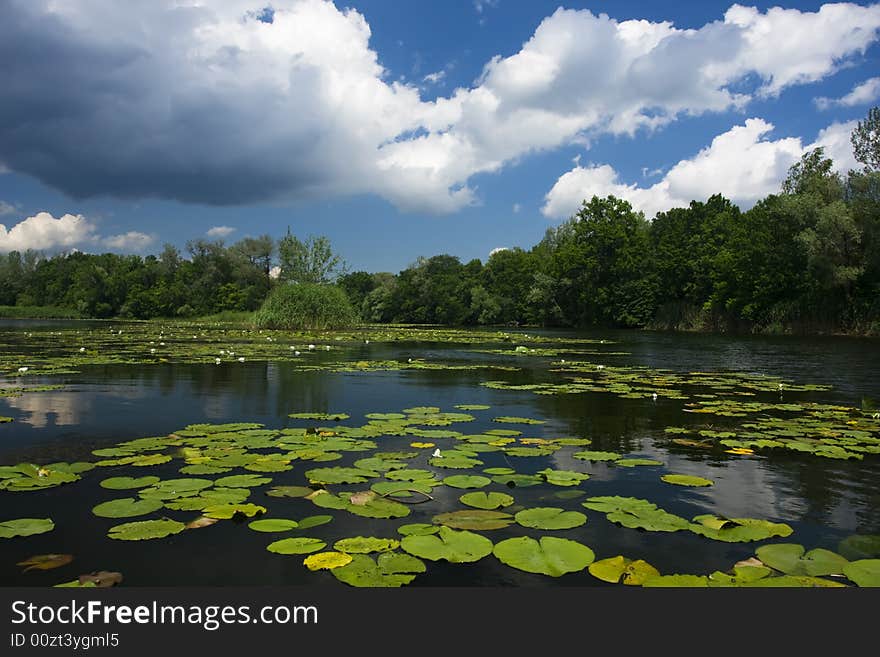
223,467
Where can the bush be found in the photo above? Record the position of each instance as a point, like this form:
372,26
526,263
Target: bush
307,306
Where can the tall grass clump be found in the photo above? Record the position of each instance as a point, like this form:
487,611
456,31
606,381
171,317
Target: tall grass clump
306,306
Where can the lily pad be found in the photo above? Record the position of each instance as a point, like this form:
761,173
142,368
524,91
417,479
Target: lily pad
792,559
145,530
127,508
620,570
25,527
597,456
448,544
677,581
467,481
686,480
126,483
550,518
632,463
417,529
340,475
864,572
388,570
549,556
270,525
313,521
518,480
296,546
45,561
365,545
509,419
228,511
242,481
474,519
326,560
860,546
487,501
563,477
289,491
737,530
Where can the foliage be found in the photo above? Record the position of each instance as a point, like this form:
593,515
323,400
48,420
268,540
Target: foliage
306,306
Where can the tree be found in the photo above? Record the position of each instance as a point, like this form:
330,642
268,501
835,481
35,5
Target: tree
814,174
866,140
312,261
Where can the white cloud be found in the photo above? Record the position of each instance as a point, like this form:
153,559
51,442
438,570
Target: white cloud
434,78
7,208
220,231
516,208
43,232
741,164
131,241
227,109
498,249
862,94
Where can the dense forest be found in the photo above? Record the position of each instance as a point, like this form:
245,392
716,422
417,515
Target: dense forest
805,259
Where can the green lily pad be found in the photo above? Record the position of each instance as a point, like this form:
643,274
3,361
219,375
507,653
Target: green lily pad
417,529
636,513
454,461
409,474
25,527
509,419
632,463
210,497
375,507
550,518
686,480
487,501
402,488
448,544
467,481
289,491
474,519
242,481
737,530
228,511
273,525
677,581
388,570
170,489
791,559
864,572
340,475
549,556
860,546
563,477
126,483
145,530
365,545
518,480
127,507
472,407
296,546
597,456
620,570
313,521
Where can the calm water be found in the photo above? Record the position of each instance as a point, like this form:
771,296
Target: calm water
824,500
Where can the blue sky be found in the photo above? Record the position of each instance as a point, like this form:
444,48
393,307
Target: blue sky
406,129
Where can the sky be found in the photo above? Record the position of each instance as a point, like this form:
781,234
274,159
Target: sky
407,129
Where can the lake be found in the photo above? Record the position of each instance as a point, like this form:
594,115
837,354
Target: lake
810,399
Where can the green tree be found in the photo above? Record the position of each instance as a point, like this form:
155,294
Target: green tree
866,140
311,261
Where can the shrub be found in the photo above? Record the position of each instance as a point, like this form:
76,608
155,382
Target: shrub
307,306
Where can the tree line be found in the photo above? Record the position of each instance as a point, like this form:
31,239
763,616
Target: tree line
806,258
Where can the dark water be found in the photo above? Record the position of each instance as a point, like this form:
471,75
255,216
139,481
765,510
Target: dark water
824,500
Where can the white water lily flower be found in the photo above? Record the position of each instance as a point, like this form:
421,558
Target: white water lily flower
327,347
23,369
437,454
217,361
82,350
153,351
241,359
654,396
311,346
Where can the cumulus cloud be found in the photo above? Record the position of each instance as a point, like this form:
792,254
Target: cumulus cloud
131,241
220,231
43,232
741,164
862,94
221,103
